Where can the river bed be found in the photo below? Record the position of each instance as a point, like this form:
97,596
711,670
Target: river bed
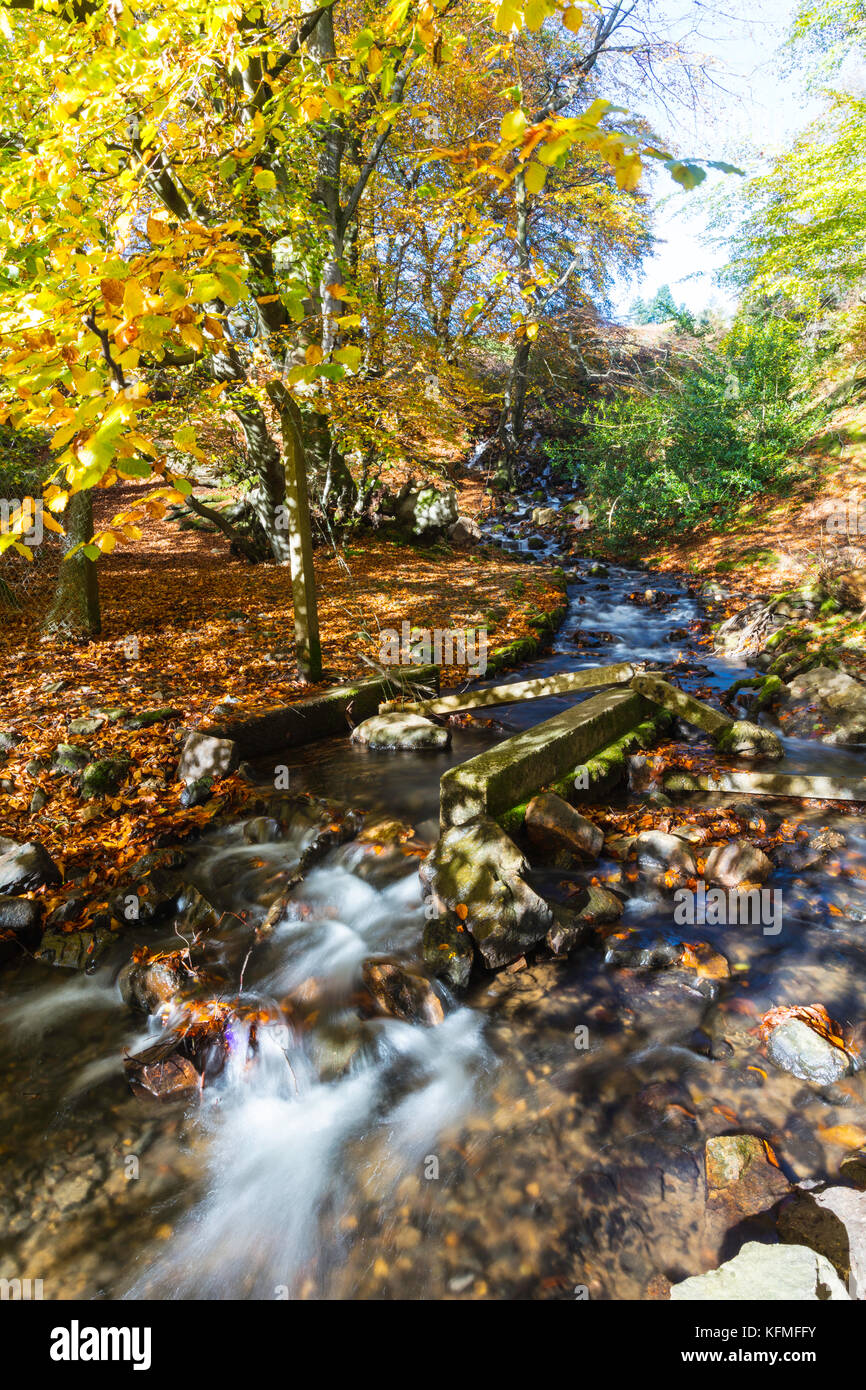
545,1141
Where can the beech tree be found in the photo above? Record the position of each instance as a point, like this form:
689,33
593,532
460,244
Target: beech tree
184,184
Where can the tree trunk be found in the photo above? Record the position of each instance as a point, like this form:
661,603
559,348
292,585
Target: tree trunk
268,497
511,420
74,608
307,645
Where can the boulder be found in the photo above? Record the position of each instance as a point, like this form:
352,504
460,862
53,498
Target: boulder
197,792
103,777
447,950
146,718
19,926
20,916
87,724
657,850
76,950
752,741
805,1053
544,516
169,1078
464,532
476,872
552,824
766,1273
712,591
573,924
832,1222
396,731
401,994
827,697
735,863
204,756
148,983
69,758
426,510
27,867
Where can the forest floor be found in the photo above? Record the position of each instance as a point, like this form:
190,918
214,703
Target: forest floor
187,626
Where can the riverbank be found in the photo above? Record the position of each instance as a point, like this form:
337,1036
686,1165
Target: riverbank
191,633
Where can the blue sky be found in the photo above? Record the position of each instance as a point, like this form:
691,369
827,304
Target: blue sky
754,109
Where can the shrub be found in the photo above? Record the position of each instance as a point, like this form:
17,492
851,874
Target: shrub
722,433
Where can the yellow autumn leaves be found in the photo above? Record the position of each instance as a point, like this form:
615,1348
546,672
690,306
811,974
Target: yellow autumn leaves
552,139
512,14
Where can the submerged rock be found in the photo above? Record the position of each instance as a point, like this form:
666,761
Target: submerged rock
573,923
766,1273
397,731
657,850
853,1167
735,863
729,1157
400,993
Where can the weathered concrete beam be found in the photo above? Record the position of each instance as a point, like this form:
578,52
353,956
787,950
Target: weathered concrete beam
793,784
686,706
335,711
593,678
511,772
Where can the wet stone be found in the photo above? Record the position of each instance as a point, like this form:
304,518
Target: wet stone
798,1049
26,867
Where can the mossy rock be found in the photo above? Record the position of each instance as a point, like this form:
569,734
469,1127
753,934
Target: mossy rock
68,757
148,717
103,777
746,740
448,951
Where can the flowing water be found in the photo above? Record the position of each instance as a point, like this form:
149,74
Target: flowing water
545,1140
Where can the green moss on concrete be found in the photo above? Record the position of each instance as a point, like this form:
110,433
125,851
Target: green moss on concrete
604,769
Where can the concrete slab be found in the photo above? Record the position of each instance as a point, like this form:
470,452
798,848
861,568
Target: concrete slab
510,773
542,687
333,712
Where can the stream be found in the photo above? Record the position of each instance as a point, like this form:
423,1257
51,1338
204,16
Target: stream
544,1142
